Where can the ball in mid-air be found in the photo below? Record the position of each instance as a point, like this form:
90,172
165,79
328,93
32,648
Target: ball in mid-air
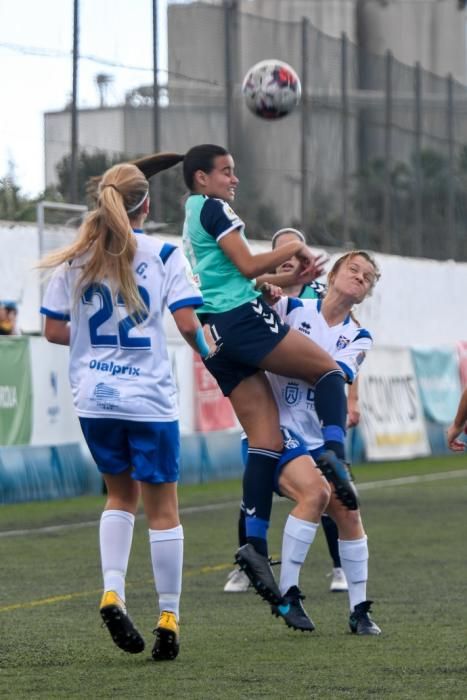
271,89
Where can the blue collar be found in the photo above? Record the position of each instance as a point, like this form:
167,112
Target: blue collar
138,230
318,306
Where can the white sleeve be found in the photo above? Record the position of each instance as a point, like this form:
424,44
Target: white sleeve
57,302
181,288
352,356
280,307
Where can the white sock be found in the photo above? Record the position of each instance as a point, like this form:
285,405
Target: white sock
167,562
296,540
354,559
115,537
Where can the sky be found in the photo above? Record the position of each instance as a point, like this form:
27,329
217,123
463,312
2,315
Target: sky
36,41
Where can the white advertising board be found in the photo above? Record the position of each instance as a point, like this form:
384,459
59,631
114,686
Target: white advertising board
391,410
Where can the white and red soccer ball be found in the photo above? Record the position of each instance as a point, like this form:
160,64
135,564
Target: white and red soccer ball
271,89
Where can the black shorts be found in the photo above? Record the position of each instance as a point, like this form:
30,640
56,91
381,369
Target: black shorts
244,336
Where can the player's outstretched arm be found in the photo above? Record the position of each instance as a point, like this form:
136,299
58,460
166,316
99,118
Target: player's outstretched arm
57,331
252,265
189,326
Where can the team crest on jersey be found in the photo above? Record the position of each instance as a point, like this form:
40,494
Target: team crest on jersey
291,394
342,342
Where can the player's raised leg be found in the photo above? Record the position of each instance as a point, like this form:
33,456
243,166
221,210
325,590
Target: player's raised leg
257,412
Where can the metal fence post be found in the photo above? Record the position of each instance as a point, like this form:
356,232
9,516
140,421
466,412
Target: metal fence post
417,247
387,200
305,114
73,194
345,141
155,185
451,238
230,19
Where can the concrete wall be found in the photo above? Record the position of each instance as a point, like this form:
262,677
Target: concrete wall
397,312
429,31
330,16
129,130
103,133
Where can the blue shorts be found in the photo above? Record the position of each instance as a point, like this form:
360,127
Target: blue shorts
294,447
151,449
244,336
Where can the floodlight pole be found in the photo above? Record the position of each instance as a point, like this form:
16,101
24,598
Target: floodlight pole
74,108
305,121
155,187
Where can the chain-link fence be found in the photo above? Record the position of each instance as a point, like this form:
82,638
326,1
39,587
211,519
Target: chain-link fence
375,157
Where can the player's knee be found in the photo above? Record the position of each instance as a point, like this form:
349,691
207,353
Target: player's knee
313,495
321,493
349,523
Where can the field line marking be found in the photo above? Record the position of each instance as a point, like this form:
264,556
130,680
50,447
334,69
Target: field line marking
80,594
364,486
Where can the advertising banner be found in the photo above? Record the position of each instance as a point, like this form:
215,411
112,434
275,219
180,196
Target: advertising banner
392,420
15,391
54,418
212,410
437,372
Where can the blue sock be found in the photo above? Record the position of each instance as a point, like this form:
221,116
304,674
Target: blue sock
331,407
258,484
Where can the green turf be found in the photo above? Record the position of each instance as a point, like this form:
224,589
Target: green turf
52,644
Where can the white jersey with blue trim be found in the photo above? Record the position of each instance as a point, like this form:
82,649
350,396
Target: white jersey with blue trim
346,342
119,365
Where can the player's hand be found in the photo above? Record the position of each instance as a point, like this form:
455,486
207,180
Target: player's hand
271,293
353,415
312,266
452,433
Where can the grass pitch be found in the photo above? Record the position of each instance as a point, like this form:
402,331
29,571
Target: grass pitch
52,644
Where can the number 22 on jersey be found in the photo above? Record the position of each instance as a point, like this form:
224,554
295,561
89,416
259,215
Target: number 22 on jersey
125,326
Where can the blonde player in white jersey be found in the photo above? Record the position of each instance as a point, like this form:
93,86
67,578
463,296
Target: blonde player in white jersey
330,324
106,300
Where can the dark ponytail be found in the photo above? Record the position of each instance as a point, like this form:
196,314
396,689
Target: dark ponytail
148,165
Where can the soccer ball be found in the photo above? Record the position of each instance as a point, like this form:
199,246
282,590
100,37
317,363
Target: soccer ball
271,89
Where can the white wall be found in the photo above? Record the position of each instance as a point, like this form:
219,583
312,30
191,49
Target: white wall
416,302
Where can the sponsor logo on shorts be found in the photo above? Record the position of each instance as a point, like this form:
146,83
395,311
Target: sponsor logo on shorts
114,369
290,441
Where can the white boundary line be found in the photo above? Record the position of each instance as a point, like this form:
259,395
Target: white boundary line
365,486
